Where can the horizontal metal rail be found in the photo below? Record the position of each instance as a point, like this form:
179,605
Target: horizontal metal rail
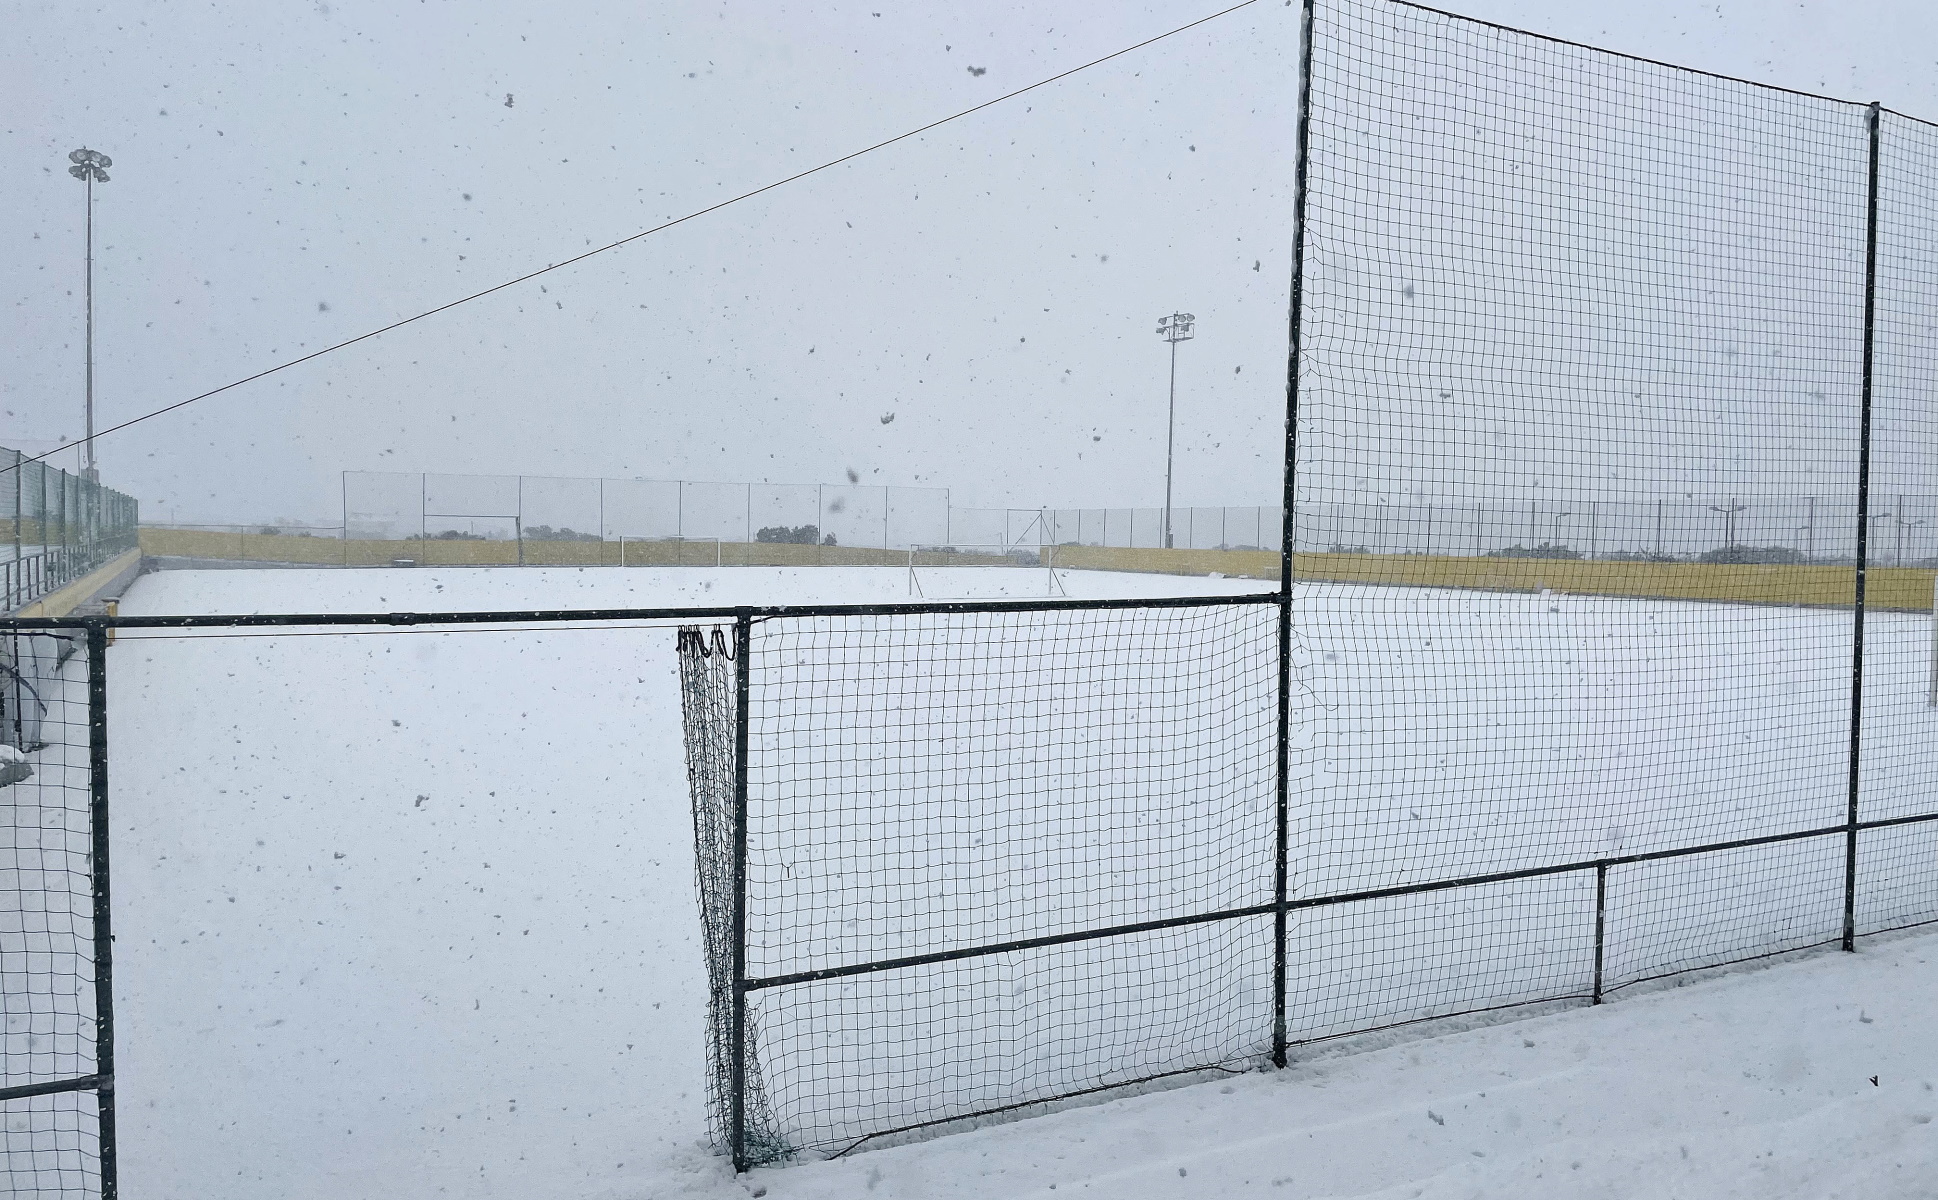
757,612
83,1083
1327,901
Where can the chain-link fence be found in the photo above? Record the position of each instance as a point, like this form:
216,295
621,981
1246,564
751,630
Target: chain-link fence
55,527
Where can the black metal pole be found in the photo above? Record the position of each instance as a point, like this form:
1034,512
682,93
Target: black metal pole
88,441
97,724
1281,882
1170,438
1601,924
737,1065
1863,539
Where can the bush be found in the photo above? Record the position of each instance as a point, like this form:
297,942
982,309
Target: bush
1336,548
795,535
1775,555
1544,550
1647,556
452,535
564,533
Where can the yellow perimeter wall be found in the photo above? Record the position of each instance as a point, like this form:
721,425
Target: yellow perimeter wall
435,552
62,601
1903,588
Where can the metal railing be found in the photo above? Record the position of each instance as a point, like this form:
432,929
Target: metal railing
56,527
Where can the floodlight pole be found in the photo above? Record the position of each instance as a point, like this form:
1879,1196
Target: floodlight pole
1174,329
90,167
1729,512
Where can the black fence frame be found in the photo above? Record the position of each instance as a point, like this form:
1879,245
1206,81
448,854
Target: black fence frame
98,630
101,1081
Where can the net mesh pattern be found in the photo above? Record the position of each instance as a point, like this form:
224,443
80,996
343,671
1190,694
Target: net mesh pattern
1586,489
952,783
47,999
1673,915
1400,959
1576,326
856,1056
50,1146
946,781
1899,773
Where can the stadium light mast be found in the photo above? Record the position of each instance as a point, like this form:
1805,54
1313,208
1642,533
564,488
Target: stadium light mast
90,167
1558,519
1729,512
1174,329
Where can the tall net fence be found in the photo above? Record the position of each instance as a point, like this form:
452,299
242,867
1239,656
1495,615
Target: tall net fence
52,951
1543,274
1899,774
1665,338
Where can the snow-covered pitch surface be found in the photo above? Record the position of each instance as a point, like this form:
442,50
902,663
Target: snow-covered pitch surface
412,913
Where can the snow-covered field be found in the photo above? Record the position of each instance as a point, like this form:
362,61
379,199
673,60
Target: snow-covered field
412,913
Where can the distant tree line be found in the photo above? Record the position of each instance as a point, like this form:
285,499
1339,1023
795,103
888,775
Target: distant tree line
794,535
1725,555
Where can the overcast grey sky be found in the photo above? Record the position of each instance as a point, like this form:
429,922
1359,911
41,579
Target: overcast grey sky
289,175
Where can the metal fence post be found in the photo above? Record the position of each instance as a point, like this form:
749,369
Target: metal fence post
97,724
1863,538
1282,741
1601,924
737,1068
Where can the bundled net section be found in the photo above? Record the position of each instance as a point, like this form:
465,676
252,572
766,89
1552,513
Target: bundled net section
994,858
49,1142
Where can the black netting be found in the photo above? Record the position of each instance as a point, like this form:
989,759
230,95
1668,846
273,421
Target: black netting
1577,492
1611,492
936,785
709,702
50,1145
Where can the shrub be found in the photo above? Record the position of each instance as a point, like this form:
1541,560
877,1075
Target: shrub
1751,554
797,535
1544,550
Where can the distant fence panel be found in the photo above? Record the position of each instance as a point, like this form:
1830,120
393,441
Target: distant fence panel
401,506
55,527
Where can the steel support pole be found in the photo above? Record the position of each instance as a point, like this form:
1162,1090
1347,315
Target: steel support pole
737,1065
88,436
1863,537
1281,882
1601,926
97,709
1170,437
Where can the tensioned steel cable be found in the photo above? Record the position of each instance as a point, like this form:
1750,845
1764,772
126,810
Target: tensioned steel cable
712,208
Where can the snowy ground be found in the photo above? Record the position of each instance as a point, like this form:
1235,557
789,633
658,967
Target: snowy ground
412,914
1756,1086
